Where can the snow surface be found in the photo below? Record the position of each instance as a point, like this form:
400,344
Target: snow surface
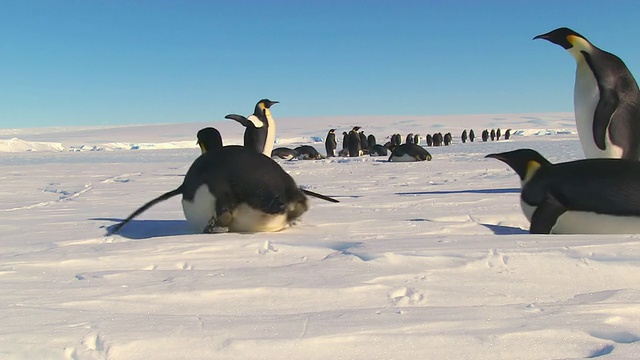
428,260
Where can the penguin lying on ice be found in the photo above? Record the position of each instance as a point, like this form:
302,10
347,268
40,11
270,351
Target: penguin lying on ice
592,196
606,99
235,189
409,152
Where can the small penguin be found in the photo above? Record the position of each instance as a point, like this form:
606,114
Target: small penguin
409,152
448,139
485,135
507,134
492,134
416,139
364,144
345,143
260,132
355,148
330,143
606,98
590,196
397,139
371,141
307,152
284,153
409,139
379,150
429,140
498,134
472,135
233,188
463,137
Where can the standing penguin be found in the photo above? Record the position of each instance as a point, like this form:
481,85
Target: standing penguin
463,137
485,135
364,144
355,147
589,196
233,188
492,134
409,139
397,139
330,143
498,134
416,139
429,140
507,134
472,135
260,132
448,139
606,98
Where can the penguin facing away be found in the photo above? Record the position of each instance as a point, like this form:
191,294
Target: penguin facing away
330,143
233,188
260,132
589,196
355,147
606,98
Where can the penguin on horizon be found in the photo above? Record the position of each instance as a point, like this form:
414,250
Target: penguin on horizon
472,135
260,129
606,98
588,196
235,189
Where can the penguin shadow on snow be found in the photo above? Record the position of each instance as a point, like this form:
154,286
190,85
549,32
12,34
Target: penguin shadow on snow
497,229
147,229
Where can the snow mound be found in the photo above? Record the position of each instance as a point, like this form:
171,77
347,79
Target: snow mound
18,145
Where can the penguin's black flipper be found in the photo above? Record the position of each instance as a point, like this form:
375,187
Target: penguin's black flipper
144,207
320,196
241,119
607,105
546,215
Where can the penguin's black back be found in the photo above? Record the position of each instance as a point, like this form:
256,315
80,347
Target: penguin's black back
242,175
604,186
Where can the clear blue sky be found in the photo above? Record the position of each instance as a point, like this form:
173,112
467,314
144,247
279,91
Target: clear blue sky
77,62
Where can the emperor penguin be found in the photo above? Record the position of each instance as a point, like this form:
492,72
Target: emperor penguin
236,189
409,152
260,132
589,196
355,147
463,137
472,135
330,143
606,98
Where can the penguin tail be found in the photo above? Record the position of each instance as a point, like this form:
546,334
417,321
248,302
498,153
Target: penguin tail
144,208
319,196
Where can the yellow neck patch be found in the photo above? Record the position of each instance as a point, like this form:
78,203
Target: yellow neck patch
532,169
267,112
202,149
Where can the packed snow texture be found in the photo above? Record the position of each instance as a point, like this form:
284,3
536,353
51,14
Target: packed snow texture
425,260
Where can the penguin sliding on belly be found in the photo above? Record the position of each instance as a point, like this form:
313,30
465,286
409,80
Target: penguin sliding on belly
590,196
606,99
235,189
260,132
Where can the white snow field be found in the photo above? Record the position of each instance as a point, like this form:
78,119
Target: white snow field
428,260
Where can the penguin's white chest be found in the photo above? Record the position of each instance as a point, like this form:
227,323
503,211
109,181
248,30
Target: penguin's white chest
403,158
585,98
271,135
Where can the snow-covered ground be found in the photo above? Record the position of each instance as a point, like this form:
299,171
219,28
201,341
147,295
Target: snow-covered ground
428,260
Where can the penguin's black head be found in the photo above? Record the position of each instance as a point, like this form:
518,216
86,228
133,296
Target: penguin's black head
356,128
265,104
561,36
525,162
209,139
332,131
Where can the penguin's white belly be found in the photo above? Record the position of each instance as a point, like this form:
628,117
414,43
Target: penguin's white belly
403,158
271,136
248,219
585,98
201,211
582,222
